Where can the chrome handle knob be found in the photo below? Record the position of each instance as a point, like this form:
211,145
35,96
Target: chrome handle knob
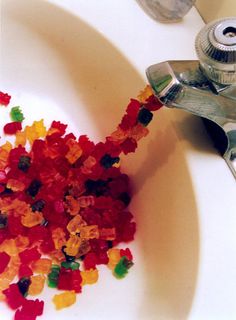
216,50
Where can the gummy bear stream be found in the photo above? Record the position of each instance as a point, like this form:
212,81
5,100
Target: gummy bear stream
64,207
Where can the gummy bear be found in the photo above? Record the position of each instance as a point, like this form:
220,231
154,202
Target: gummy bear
4,260
64,300
29,310
114,257
72,245
58,237
42,265
53,276
12,127
14,298
23,285
145,94
4,98
90,261
37,284
64,279
89,232
121,269
16,114
75,224
20,138
107,234
29,255
32,219
86,201
15,185
72,205
24,271
74,152
89,276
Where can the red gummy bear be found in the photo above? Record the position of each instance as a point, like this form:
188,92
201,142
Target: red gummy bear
29,255
69,280
14,298
4,98
76,281
30,310
24,271
127,253
90,261
12,127
4,260
64,279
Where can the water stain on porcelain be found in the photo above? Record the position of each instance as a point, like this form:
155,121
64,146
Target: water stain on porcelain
54,62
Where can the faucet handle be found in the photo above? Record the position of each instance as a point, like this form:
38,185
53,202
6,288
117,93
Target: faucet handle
216,49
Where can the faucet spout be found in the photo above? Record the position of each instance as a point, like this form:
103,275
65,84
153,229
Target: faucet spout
190,90
183,85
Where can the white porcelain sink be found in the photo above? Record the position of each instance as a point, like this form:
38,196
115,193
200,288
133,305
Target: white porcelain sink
80,62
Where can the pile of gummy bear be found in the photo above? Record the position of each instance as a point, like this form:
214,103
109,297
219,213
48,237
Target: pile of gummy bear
63,207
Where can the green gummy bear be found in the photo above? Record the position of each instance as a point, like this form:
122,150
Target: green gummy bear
70,265
16,114
121,269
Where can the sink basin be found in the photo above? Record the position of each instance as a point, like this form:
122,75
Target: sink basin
57,65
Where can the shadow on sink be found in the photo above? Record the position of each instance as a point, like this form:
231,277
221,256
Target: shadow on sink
167,223
164,199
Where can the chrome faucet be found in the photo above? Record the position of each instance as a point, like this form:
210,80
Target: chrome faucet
207,87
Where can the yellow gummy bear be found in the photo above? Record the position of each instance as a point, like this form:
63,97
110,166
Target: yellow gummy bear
89,276
138,132
32,219
18,207
42,265
83,248
59,238
72,245
35,131
9,246
74,152
20,138
15,185
64,300
30,134
9,273
36,285
75,224
114,257
118,136
72,205
89,232
3,158
145,94
7,146
21,242
40,128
